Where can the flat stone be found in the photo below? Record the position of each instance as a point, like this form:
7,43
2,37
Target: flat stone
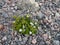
6,23
57,37
0,44
56,42
15,7
57,14
45,36
24,39
5,14
0,40
20,39
4,38
40,14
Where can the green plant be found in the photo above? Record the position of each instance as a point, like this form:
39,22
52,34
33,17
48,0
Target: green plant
25,25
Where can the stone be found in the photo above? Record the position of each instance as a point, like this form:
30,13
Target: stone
20,39
0,44
22,7
48,42
32,1
12,43
15,7
9,37
4,8
5,14
1,26
0,6
4,38
36,4
24,39
16,39
0,41
57,14
15,33
50,37
45,36
13,4
34,41
6,23
56,42
12,8
41,15
57,37
13,11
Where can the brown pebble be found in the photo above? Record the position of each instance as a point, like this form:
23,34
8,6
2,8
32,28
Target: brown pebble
1,27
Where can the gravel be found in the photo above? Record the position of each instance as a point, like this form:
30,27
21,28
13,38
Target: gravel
48,12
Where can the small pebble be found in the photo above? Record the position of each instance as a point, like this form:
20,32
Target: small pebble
13,4
34,41
45,36
1,26
4,38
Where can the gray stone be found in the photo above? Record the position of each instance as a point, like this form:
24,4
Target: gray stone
0,44
40,14
6,23
24,40
1,5
20,39
56,42
5,14
21,7
57,37
0,40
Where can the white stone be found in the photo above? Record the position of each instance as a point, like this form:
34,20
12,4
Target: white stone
36,4
12,42
4,38
12,8
57,14
49,37
46,18
15,7
13,4
32,1
34,41
15,33
15,38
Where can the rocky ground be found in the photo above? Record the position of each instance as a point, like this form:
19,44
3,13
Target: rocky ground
47,13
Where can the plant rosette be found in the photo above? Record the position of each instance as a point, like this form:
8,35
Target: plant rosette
25,25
